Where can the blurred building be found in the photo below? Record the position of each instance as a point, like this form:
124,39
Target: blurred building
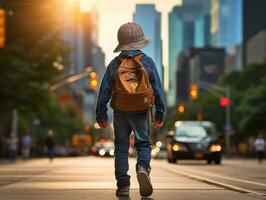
226,23
233,59
198,65
254,23
183,78
150,20
90,97
188,27
81,33
206,64
202,35
256,48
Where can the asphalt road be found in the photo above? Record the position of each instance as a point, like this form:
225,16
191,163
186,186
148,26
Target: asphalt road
91,178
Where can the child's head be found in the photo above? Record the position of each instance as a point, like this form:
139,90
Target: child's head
130,36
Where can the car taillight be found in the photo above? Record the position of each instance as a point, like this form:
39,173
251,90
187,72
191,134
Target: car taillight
94,149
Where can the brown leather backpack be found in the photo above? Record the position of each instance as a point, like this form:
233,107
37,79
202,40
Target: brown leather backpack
132,90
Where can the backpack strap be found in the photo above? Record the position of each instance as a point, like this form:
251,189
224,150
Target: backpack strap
137,59
119,59
139,56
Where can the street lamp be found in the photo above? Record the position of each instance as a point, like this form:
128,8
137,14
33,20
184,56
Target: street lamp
71,79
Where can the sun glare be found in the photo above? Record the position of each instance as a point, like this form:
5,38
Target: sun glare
72,1
87,5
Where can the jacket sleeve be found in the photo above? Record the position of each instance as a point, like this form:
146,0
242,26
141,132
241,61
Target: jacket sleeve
104,93
158,92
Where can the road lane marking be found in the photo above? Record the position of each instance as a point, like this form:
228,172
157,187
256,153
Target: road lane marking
228,178
216,183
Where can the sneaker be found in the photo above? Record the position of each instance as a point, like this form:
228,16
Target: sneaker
145,186
122,191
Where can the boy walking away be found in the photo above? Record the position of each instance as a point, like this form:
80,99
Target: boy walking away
132,83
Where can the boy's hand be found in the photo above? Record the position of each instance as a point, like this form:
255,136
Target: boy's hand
103,124
158,123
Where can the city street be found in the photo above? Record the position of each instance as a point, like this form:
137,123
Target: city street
92,178
83,80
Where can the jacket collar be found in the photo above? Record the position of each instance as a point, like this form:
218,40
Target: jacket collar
131,53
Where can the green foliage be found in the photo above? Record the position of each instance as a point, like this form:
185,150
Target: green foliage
248,89
63,123
33,44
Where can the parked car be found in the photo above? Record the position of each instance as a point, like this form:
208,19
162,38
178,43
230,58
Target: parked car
194,140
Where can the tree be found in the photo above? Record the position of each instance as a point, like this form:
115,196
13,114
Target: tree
248,89
33,44
34,33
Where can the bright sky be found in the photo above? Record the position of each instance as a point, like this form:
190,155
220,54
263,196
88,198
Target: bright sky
114,13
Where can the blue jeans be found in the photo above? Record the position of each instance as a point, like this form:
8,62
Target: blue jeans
50,153
12,154
124,124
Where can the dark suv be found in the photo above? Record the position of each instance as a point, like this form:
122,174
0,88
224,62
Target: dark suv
194,140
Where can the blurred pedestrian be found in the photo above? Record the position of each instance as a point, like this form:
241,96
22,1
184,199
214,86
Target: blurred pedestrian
133,83
12,144
259,145
26,143
50,144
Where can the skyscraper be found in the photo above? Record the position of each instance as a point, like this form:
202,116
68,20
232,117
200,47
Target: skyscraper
150,20
202,35
254,21
182,26
206,64
226,23
81,33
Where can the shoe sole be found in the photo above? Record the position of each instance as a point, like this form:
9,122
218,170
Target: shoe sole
122,194
144,184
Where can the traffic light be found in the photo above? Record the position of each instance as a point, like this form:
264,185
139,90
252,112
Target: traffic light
181,108
2,28
224,101
93,81
193,91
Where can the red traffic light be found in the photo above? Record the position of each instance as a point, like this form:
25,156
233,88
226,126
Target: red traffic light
224,102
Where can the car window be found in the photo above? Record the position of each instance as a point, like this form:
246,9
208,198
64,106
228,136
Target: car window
191,131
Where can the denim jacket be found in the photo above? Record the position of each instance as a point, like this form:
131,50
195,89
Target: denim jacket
108,80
